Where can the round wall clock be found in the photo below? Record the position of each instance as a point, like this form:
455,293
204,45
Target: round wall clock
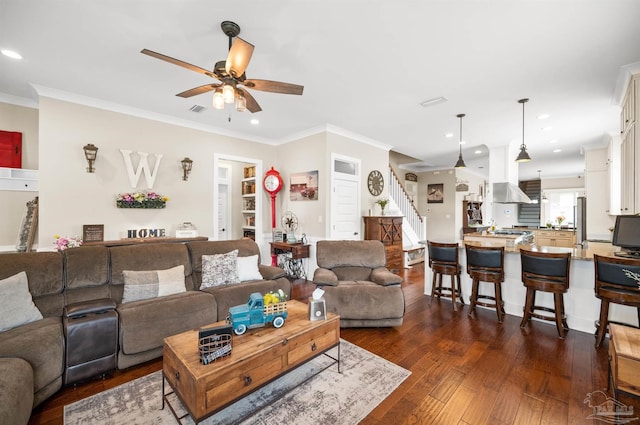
375,182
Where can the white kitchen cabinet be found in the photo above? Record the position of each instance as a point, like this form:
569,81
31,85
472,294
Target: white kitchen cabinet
630,150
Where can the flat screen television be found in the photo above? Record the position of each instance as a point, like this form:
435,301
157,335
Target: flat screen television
626,235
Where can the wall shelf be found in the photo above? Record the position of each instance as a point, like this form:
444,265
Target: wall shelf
18,179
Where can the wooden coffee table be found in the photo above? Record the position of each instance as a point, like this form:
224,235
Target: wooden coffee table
258,357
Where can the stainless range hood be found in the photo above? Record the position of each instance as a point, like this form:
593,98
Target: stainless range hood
509,193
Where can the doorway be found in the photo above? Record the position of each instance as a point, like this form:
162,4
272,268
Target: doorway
345,198
229,207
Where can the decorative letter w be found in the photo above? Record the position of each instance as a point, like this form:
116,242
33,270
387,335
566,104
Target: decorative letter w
143,166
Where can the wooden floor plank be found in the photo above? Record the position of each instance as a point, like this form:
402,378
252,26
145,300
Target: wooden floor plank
465,369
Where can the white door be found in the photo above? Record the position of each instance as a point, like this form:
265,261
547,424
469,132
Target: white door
346,214
224,206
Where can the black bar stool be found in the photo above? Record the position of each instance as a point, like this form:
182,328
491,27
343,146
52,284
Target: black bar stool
617,280
547,272
443,260
486,264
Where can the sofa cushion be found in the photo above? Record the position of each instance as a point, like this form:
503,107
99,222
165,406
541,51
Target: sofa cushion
151,256
45,274
142,285
220,269
365,300
40,343
16,391
331,254
248,268
16,304
144,324
245,247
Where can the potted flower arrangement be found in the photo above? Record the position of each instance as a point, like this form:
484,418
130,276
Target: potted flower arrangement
560,219
62,243
141,200
383,204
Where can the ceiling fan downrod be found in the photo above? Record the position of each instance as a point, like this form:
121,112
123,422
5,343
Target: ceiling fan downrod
231,29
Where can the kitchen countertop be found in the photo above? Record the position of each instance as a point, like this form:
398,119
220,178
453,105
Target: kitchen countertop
576,253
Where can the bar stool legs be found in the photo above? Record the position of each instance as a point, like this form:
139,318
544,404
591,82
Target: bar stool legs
453,292
497,303
558,310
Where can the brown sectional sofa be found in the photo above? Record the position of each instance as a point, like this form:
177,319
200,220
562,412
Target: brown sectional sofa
81,280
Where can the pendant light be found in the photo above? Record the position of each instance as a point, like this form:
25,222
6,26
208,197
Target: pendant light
460,163
523,156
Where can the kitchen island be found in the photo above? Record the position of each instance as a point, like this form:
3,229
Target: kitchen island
581,305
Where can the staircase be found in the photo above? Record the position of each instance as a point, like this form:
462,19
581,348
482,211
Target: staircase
414,226
529,214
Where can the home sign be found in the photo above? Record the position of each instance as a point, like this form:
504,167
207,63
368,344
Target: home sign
146,233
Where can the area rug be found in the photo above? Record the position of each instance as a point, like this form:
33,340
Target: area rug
314,393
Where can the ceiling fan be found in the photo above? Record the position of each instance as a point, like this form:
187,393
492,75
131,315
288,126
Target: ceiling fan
231,74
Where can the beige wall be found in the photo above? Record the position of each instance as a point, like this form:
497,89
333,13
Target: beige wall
440,217
71,197
24,120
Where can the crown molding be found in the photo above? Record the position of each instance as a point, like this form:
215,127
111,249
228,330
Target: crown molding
141,113
624,77
19,101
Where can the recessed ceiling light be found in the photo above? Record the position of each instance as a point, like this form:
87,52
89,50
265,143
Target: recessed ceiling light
553,141
478,151
557,150
448,135
434,101
12,54
543,116
547,128
255,121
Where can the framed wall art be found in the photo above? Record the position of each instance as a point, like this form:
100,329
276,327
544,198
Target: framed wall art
304,186
435,193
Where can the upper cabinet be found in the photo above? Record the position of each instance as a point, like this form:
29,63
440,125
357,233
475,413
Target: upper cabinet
630,150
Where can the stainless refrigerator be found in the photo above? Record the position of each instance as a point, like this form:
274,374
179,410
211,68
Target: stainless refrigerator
580,219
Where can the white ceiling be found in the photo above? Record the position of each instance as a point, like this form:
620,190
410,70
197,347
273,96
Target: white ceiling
366,65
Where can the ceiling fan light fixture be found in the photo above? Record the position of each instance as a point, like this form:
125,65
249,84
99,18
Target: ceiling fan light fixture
228,93
218,100
241,103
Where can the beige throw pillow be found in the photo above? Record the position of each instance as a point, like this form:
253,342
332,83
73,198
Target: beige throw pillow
143,285
248,268
16,304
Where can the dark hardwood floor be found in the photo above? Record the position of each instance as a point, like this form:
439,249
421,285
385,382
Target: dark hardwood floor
465,370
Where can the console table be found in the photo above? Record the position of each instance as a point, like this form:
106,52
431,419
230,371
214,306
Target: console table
293,264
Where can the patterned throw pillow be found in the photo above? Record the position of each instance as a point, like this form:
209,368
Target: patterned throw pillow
16,304
219,269
143,285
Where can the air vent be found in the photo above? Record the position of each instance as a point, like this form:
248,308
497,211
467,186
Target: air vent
197,108
433,102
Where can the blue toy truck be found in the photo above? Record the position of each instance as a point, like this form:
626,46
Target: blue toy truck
255,314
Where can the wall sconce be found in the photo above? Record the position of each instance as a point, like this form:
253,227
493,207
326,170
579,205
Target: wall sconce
187,163
90,152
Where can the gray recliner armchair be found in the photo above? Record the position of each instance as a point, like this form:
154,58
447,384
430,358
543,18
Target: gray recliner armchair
357,284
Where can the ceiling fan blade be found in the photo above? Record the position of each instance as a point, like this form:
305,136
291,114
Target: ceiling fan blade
177,62
252,105
238,57
274,86
199,90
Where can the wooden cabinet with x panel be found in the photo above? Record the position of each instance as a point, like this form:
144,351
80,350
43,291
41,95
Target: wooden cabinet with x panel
388,230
